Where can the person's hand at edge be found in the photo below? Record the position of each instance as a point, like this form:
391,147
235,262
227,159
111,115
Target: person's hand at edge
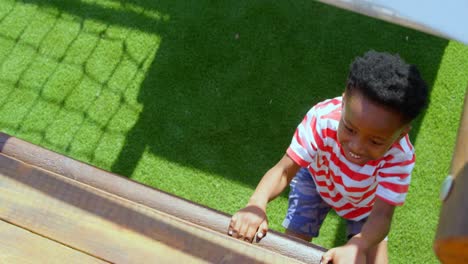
249,224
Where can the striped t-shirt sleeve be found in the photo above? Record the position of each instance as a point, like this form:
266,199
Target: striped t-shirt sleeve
306,140
394,178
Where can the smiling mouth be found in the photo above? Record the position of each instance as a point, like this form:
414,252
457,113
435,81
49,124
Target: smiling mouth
354,156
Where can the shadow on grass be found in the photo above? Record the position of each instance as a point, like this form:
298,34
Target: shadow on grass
231,80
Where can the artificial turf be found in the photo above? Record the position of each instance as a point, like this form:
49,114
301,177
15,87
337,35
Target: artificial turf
200,98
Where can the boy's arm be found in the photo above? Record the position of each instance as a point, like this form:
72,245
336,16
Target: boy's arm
376,227
245,223
274,181
373,232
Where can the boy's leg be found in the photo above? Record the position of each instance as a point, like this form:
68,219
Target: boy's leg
306,210
379,253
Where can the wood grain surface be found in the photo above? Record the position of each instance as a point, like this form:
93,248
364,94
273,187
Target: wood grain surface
109,227
18,245
158,200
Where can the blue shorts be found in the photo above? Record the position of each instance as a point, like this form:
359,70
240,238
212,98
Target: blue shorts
307,210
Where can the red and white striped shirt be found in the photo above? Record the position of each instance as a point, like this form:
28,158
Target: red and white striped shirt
349,188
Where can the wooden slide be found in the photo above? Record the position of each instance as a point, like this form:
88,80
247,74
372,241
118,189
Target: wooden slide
54,209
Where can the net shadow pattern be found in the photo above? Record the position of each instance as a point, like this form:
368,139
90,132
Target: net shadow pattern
83,74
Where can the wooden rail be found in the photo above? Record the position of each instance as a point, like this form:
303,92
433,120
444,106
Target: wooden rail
64,209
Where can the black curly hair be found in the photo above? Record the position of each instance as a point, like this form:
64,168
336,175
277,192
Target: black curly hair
387,80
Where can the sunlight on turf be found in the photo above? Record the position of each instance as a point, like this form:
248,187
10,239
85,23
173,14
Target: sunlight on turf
129,7
84,72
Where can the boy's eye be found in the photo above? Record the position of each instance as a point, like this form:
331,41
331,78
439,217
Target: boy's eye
350,130
376,143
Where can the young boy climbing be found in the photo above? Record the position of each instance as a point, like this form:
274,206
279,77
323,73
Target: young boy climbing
350,153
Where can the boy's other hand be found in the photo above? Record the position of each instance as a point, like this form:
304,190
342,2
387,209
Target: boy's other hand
249,223
346,254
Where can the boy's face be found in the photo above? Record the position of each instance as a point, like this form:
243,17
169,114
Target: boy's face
367,130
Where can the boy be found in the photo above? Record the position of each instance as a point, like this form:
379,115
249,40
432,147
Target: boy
350,153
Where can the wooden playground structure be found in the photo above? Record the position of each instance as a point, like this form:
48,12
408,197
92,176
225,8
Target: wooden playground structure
58,210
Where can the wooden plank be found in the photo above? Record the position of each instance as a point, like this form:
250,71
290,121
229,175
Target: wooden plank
21,246
145,195
110,227
451,240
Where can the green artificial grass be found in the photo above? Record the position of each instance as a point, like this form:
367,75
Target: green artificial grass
200,98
